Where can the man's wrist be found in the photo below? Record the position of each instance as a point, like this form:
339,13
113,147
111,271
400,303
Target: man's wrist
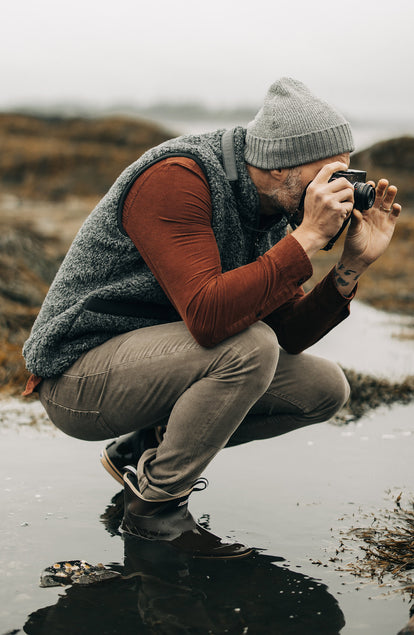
346,275
311,242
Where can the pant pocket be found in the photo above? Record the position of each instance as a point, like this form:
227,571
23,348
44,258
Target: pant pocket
87,425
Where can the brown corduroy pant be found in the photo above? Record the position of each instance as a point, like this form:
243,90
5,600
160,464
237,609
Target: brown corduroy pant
242,389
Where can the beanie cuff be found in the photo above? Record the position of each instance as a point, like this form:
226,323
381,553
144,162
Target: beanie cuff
289,152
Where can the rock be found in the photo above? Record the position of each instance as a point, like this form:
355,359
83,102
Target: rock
394,160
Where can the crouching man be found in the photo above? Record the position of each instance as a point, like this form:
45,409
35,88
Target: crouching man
178,316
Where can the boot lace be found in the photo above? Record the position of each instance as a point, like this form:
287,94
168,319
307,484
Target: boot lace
200,484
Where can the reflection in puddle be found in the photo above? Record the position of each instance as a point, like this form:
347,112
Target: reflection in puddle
163,591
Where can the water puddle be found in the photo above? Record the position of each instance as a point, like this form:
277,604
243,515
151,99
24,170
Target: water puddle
296,498
291,497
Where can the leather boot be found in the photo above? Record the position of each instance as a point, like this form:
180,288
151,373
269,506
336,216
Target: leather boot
127,450
170,521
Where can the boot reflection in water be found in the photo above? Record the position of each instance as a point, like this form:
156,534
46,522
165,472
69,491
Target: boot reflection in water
247,595
164,591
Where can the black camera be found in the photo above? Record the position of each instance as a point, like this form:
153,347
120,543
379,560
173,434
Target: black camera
364,196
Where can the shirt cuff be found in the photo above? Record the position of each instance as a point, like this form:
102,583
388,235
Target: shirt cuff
31,385
291,257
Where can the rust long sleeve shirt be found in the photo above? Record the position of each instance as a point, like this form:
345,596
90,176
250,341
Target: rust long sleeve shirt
167,214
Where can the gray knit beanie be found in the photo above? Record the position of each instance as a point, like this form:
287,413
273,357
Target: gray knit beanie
295,127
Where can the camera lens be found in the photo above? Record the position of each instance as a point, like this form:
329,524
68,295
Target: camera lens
364,196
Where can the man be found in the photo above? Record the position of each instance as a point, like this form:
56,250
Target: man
178,315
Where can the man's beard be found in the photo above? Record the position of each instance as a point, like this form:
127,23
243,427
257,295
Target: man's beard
285,200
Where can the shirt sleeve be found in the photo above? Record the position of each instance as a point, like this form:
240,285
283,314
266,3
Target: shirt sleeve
306,318
167,214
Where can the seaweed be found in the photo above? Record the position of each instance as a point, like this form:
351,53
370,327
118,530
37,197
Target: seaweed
382,548
369,392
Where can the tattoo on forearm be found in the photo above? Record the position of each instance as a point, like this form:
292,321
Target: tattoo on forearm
347,272
341,281
345,277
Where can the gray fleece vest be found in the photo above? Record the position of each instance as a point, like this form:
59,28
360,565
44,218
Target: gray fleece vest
104,287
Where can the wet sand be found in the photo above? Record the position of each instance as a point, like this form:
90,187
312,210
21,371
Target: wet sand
291,497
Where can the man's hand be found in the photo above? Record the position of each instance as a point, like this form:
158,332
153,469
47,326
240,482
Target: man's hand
327,205
370,232
368,236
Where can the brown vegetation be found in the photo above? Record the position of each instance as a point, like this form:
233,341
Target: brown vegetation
378,549
53,158
393,160
378,546
28,262
52,172
369,392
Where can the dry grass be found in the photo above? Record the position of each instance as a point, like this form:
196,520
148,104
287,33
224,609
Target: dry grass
380,546
52,171
53,158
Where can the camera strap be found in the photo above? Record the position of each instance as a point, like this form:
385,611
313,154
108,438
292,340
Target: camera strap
229,156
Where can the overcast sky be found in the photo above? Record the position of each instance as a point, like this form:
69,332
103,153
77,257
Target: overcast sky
357,54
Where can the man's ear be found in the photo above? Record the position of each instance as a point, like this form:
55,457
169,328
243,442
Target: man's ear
279,174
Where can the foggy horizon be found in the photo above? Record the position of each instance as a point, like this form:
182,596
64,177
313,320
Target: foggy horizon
101,55
176,109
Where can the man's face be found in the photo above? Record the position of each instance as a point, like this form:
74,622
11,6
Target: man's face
285,196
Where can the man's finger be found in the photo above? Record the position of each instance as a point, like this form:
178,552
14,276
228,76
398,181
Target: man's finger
326,172
388,200
344,186
396,211
380,191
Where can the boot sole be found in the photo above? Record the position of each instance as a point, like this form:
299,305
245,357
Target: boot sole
110,467
198,556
